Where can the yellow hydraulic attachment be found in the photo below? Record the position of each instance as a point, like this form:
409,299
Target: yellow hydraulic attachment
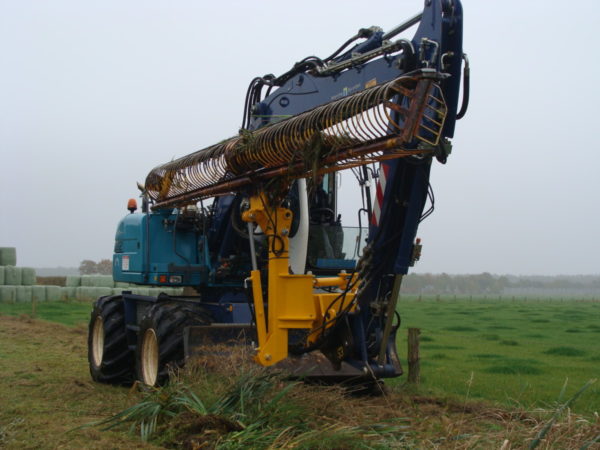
292,302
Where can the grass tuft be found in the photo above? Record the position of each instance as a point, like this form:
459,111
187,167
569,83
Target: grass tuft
514,369
486,356
490,337
565,351
245,406
460,328
559,411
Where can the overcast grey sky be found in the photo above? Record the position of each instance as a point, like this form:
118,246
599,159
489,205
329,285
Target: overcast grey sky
95,94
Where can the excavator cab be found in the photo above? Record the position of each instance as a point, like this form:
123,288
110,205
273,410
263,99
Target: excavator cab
332,247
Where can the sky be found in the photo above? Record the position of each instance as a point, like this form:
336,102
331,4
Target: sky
95,94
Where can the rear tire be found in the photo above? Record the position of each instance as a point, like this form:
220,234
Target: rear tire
110,359
160,340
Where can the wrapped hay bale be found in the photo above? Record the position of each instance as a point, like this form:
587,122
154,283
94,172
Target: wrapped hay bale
120,284
141,291
8,294
28,277
84,293
86,281
105,281
68,293
73,281
52,293
97,281
102,291
13,275
8,256
38,293
23,293
1,275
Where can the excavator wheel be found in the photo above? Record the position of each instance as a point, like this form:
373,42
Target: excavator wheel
110,359
160,340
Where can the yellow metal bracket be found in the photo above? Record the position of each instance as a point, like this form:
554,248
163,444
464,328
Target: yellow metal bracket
292,304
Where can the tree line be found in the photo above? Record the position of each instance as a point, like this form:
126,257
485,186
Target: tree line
89,267
489,284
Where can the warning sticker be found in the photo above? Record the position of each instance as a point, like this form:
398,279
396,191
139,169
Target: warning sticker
125,265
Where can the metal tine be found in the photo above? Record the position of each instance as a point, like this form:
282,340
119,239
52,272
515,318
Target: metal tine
390,120
362,132
378,122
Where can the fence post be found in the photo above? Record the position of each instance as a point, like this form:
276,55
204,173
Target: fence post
414,368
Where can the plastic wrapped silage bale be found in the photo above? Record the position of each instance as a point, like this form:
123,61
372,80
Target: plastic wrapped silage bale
28,276
120,284
1,275
97,281
68,293
13,275
53,293
102,291
8,256
8,294
84,293
104,281
86,281
23,293
73,281
38,293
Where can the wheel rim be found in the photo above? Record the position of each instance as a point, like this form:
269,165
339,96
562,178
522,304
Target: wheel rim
98,341
149,358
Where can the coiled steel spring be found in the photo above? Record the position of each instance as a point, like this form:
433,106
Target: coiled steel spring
340,134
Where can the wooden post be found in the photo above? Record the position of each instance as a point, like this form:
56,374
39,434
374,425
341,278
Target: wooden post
414,368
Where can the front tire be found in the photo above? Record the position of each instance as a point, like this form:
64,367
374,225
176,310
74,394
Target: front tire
110,359
160,340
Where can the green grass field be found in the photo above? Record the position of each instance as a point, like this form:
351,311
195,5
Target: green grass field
67,313
511,352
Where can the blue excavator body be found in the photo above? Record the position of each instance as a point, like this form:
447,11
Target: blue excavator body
203,242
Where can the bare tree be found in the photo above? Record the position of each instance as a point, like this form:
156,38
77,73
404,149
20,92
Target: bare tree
104,267
87,267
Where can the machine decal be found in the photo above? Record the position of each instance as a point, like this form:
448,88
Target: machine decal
379,192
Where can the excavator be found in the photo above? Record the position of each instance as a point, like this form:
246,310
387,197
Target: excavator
251,227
